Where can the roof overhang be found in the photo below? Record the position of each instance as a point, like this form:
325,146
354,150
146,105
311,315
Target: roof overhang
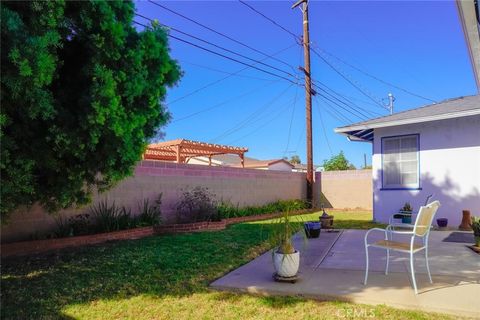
364,132
468,15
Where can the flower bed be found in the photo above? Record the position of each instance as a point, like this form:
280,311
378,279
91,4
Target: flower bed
40,246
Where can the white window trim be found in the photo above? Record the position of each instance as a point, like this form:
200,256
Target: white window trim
411,186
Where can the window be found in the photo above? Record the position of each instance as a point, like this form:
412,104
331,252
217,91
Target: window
400,162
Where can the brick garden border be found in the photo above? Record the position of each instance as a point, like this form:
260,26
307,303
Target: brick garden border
39,246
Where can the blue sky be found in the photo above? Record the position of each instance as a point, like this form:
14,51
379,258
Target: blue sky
418,46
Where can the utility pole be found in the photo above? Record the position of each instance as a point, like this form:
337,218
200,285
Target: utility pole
308,97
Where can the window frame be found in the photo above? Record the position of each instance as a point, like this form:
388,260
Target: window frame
416,186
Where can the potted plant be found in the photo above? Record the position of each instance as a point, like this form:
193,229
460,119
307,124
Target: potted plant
406,213
286,259
326,220
476,230
312,229
442,222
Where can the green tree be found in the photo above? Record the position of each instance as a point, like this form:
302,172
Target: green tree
82,93
295,159
338,162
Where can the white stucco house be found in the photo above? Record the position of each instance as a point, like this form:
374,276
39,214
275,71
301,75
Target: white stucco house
432,150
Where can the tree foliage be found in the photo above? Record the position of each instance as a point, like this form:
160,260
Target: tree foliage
81,95
338,162
295,159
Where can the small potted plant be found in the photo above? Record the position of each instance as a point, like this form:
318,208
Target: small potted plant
406,213
442,222
286,259
326,220
476,230
312,229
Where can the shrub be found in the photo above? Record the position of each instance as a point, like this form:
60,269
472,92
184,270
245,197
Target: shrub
105,217
149,214
227,210
197,204
74,226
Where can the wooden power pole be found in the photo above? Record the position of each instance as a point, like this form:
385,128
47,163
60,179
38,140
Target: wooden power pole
308,97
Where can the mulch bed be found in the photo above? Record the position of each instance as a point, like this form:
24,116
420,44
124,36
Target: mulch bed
460,237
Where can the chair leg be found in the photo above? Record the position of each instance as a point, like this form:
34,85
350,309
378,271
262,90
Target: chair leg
413,273
386,264
366,265
428,267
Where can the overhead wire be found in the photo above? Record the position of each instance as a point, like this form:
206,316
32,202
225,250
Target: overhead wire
377,78
221,55
347,79
291,121
248,120
223,102
216,32
323,127
183,61
278,114
215,45
296,37
217,81
343,98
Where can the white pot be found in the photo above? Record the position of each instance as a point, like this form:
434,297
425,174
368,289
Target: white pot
286,265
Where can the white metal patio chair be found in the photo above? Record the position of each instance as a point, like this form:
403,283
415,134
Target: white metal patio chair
421,229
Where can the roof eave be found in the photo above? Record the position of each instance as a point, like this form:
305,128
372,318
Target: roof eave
452,115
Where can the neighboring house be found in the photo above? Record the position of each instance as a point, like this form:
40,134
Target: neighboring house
429,150
228,160
301,167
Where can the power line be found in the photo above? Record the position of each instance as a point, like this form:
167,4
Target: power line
296,37
247,121
218,46
263,124
223,102
346,78
358,115
357,110
291,121
216,32
323,128
221,55
217,81
370,112
377,78
183,61
336,113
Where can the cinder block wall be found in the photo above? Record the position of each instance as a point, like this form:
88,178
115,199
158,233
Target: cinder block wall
349,189
238,186
243,187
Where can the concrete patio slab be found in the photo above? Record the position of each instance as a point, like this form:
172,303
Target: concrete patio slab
332,268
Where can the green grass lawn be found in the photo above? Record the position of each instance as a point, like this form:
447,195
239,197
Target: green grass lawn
164,277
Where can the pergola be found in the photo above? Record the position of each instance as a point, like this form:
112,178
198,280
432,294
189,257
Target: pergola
182,150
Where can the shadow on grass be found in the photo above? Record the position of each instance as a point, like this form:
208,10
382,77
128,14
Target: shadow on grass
176,265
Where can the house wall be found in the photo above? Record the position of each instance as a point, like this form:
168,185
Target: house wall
280,166
449,169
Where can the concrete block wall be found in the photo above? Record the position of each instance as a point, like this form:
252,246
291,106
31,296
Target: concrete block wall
243,187
349,189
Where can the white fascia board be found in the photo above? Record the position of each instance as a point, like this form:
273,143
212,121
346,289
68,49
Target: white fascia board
384,124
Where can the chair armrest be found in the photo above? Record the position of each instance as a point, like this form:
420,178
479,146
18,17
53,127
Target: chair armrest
375,229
